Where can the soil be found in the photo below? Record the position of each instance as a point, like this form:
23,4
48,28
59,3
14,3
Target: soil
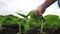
9,29
14,29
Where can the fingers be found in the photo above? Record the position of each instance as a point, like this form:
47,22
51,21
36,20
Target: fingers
37,13
40,11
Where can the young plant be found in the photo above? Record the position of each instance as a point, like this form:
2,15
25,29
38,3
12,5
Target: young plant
26,20
51,22
1,20
36,21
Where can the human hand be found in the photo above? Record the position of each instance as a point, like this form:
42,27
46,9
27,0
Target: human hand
40,10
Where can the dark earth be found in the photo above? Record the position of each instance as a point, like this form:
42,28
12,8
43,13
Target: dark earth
14,29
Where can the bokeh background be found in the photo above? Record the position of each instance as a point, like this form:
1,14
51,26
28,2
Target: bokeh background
24,6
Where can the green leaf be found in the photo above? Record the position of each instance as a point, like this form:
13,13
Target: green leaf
51,17
51,21
22,15
30,13
26,27
22,22
10,20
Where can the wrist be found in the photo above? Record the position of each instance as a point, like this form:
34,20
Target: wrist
44,6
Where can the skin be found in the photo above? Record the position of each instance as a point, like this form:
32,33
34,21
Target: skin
41,9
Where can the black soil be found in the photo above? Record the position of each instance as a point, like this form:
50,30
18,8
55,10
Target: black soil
14,29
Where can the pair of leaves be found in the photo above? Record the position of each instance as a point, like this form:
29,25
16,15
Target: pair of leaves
10,20
51,21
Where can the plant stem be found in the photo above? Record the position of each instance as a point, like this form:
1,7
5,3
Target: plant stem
19,29
42,25
1,28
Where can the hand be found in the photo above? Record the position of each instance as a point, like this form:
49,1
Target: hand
40,10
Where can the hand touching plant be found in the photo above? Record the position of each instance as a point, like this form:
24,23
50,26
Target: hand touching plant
41,9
